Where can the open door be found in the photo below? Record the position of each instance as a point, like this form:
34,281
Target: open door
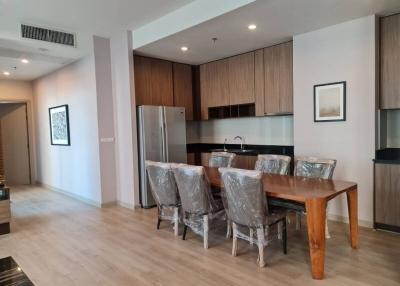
15,143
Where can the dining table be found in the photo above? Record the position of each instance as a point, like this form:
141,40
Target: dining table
313,194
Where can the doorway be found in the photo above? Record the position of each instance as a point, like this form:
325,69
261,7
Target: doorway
15,143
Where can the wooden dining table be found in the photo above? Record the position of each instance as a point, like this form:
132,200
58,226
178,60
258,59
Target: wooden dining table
314,194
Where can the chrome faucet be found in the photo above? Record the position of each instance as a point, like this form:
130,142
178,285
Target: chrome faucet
225,141
242,142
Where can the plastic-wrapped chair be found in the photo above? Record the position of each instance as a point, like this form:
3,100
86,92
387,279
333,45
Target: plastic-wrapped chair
246,206
221,159
165,192
312,167
273,164
198,203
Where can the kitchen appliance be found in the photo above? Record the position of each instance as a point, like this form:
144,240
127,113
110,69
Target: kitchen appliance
162,138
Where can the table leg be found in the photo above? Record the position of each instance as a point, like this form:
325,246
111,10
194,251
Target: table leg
352,205
316,214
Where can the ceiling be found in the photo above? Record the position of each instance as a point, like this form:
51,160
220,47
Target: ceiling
277,21
84,18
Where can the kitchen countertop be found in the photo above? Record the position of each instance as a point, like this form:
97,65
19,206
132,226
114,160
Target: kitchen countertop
387,156
251,150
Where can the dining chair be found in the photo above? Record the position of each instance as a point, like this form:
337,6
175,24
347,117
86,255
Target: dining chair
313,167
165,192
273,164
221,159
246,206
198,203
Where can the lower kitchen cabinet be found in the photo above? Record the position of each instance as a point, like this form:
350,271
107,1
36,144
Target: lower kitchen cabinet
241,161
387,196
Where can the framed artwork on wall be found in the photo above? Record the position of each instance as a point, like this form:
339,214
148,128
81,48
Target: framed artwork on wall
330,102
59,125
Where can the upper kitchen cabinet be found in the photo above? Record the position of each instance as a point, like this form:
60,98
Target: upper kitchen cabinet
241,79
183,92
214,85
278,79
153,81
390,62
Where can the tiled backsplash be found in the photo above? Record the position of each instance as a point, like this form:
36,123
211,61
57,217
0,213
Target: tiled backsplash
276,130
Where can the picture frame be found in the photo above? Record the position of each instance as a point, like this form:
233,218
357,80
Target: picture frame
330,102
59,125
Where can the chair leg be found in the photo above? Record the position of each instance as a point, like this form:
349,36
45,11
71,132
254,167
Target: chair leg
184,232
298,220
327,234
176,221
260,240
205,230
280,227
159,211
234,241
284,236
251,236
228,228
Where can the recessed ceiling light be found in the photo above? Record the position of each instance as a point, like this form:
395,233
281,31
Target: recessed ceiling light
6,73
252,27
184,49
24,61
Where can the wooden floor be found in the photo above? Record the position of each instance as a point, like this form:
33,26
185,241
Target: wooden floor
60,241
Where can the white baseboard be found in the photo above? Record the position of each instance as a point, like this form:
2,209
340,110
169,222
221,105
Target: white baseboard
363,223
128,206
71,195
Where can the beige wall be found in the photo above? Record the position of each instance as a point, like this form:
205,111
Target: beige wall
21,91
344,52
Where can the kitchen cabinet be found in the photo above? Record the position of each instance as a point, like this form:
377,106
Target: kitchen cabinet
278,79
390,62
241,161
183,91
160,82
241,79
153,81
387,196
214,85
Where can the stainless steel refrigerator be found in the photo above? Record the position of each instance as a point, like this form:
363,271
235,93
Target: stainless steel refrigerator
162,138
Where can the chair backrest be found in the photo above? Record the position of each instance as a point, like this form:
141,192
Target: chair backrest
313,167
244,199
162,183
221,159
194,189
273,164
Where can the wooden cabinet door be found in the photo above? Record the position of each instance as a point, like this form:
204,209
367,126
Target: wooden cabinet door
142,72
259,81
278,78
161,83
153,81
286,78
390,62
205,158
387,194
183,92
241,79
214,85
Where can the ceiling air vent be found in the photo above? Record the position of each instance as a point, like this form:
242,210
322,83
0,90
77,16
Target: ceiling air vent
47,35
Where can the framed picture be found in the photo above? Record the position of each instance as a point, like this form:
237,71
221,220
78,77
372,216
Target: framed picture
330,102
59,125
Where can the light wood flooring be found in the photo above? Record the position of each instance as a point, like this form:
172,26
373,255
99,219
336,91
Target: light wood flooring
60,241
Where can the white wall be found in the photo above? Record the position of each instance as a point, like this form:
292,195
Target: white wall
105,116
72,169
276,130
392,129
344,52
12,91
125,120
